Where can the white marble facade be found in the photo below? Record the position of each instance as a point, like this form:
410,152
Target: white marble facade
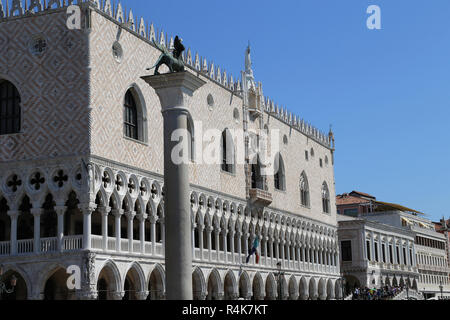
74,190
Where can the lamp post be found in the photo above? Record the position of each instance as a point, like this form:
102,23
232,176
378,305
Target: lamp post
280,283
3,288
441,287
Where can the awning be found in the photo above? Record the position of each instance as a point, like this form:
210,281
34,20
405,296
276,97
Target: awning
397,207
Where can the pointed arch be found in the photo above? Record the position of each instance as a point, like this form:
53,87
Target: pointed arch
303,289
304,190
258,287
215,290
134,283
293,288
198,284
10,108
271,287
245,287
156,283
228,152
230,286
279,173
325,198
109,281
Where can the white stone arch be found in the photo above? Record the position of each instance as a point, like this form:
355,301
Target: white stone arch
215,289
156,282
198,284
46,273
30,286
139,276
303,289
231,290
141,108
293,289
114,287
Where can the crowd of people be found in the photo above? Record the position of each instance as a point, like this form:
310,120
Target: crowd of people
385,293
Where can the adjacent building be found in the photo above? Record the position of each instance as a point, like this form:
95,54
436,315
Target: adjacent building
375,255
427,253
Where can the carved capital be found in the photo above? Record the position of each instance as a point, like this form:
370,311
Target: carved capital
60,210
87,208
13,214
104,210
117,212
36,212
130,215
142,217
142,295
117,295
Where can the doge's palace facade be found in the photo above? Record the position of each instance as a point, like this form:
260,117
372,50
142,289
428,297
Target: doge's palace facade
81,169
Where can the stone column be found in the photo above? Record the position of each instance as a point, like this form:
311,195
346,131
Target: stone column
194,225
130,216
60,211
200,240
37,212
239,237
232,246
209,230
217,234
265,250
87,210
372,246
225,249
117,215
142,217
104,212
175,92
13,215
153,220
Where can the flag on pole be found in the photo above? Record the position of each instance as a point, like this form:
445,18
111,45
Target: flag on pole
254,250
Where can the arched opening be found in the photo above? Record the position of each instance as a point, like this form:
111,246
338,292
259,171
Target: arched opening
213,286
325,198
132,285
131,124
293,292
322,290
271,288
19,292
244,283
56,286
49,219
303,289
197,285
330,290
257,178
25,221
258,287
304,190
351,283
108,283
394,282
5,222
156,285
159,224
73,218
229,286
10,113
96,217
313,293
279,176
228,152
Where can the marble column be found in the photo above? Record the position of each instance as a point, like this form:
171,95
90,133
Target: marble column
37,212
175,92
130,216
142,217
104,212
13,215
60,211
117,216
87,210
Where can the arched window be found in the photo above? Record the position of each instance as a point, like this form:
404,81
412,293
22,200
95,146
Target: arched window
304,190
257,178
9,108
325,198
130,117
228,156
279,177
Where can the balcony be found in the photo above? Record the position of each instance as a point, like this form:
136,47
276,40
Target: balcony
260,197
47,245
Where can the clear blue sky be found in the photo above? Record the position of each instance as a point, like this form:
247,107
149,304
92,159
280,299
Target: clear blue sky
386,92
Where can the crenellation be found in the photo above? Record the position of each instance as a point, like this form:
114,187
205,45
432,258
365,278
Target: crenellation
120,14
107,8
130,21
